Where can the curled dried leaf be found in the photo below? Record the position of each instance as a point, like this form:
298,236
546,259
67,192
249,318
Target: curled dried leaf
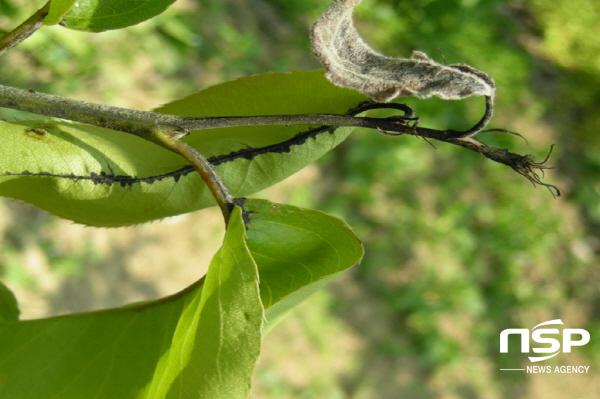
350,62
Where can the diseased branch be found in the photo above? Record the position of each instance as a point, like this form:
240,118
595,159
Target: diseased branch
147,124
23,31
525,165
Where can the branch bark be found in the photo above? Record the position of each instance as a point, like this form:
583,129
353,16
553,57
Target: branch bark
23,31
142,123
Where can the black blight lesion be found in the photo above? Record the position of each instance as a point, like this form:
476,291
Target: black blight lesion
104,178
249,153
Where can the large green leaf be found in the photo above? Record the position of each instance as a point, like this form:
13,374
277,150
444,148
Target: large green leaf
101,177
298,251
101,15
200,343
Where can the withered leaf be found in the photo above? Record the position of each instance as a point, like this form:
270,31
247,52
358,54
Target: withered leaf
350,62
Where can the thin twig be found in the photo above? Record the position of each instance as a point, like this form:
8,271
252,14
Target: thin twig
203,167
23,31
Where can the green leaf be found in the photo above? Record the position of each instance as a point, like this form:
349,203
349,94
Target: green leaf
101,15
58,9
298,251
101,177
200,343
9,308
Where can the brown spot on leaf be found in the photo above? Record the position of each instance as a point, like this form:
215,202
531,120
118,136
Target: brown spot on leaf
36,133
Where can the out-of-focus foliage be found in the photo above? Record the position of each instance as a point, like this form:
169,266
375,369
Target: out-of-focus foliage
461,248
102,15
457,248
190,46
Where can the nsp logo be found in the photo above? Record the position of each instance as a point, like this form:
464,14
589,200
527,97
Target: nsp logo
570,337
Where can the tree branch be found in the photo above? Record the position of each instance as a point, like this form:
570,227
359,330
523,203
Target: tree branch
142,123
23,31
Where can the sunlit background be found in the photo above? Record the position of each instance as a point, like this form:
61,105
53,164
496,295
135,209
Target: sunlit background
457,248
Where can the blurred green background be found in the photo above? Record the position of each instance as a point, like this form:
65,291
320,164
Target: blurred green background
457,248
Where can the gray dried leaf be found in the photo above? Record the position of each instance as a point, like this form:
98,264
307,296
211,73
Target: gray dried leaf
350,62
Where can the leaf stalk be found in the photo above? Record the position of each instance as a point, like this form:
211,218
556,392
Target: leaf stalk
206,171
